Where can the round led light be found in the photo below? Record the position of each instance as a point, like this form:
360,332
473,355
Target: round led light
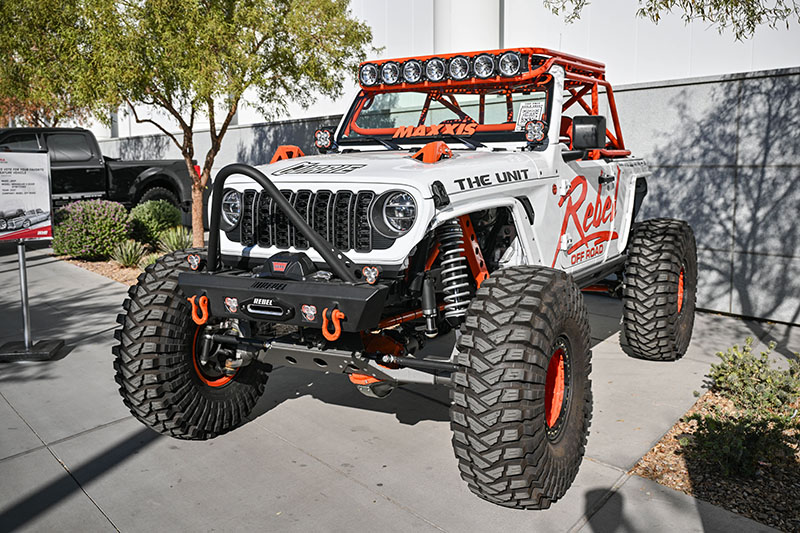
434,69
400,211
231,208
412,71
458,68
323,139
484,66
510,64
369,74
390,73
534,131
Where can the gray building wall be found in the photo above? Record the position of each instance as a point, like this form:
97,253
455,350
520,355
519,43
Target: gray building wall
725,152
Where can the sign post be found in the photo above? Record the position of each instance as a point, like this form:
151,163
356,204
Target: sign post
26,214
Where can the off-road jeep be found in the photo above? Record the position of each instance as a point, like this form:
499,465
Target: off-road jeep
473,193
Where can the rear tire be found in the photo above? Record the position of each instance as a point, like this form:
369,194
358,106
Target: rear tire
518,445
660,290
160,193
156,366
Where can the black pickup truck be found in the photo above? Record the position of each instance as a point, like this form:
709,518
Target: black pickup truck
79,170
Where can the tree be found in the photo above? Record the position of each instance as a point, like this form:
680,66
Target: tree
41,63
196,58
742,16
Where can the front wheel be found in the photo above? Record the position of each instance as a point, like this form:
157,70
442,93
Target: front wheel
162,379
522,399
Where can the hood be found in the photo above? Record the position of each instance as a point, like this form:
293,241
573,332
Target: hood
387,168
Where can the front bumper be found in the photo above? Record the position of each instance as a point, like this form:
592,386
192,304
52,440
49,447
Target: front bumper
299,303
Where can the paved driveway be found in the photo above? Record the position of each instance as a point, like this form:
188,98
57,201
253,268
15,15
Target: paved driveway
316,455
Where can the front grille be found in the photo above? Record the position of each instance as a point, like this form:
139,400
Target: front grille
341,218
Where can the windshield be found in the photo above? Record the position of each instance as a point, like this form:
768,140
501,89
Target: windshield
406,117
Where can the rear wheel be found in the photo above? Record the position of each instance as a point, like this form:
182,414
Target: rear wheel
159,193
659,290
522,398
162,379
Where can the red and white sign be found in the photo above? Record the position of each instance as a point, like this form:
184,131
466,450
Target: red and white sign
25,204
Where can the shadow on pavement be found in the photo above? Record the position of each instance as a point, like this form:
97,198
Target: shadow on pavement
26,509
410,403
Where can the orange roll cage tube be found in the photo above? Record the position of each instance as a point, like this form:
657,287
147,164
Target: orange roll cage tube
582,76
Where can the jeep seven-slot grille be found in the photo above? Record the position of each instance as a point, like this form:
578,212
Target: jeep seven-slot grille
342,218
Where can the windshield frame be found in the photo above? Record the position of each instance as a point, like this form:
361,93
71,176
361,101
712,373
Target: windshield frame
479,133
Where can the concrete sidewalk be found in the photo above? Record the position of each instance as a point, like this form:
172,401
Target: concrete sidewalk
316,455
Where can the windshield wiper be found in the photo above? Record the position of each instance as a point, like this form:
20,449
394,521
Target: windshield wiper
388,144
472,145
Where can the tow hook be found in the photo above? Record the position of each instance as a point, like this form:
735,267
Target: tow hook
202,304
336,317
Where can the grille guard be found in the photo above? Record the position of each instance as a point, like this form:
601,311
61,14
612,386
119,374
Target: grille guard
337,261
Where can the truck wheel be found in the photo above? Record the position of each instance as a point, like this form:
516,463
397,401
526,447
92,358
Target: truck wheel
26,223
159,193
659,291
161,380
522,399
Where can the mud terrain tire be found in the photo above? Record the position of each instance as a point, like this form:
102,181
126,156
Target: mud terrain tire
155,367
517,444
659,290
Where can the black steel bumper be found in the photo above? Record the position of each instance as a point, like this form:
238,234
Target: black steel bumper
300,303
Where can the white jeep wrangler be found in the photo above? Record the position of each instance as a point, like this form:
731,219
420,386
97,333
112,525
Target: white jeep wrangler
476,192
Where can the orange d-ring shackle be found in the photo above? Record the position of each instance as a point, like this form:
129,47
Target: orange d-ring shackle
202,303
336,317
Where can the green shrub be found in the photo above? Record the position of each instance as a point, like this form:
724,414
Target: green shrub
128,253
149,219
89,229
148,260
751,383
736,443
174,239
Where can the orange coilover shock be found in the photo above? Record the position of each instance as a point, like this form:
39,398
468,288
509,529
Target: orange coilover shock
454,274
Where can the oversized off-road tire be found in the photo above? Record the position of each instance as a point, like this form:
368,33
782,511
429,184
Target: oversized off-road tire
156,364
522,399
659,291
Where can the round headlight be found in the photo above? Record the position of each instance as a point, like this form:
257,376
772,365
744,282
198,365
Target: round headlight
510,64
484,66
412,71
459,68
369,74
399,211
231,209
434,69
390,73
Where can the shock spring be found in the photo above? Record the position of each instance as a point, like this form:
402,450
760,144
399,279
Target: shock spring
454,269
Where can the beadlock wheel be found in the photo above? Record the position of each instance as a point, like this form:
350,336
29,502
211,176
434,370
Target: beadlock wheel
161,378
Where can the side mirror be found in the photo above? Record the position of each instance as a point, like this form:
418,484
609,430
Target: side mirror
588,132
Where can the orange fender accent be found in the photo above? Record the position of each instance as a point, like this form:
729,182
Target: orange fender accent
286,151
336,317
472,251
433,152
202,303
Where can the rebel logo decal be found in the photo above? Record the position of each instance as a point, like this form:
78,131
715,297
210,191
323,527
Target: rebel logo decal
231,304
586,218
462,130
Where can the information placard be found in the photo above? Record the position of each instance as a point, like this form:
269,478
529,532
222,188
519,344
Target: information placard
25,204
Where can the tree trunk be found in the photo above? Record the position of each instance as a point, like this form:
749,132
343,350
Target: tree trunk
198,240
